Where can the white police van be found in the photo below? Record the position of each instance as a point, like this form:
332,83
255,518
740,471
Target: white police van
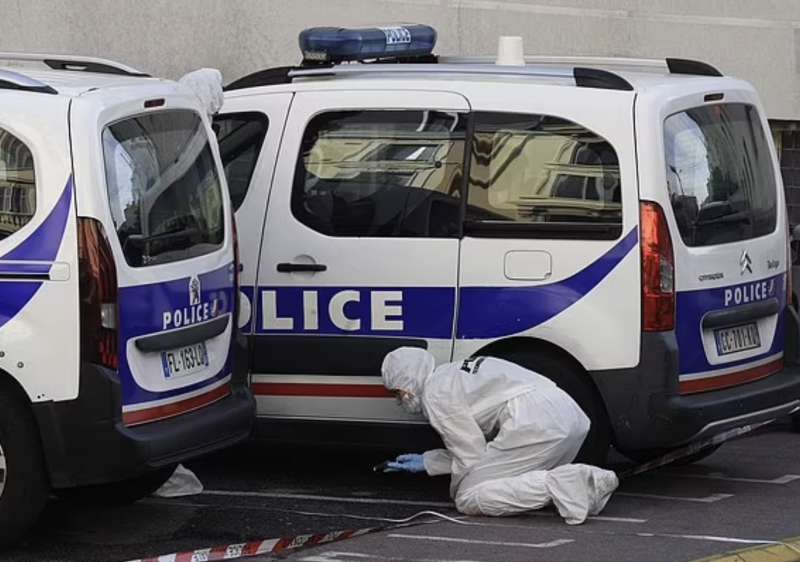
618,225
117,285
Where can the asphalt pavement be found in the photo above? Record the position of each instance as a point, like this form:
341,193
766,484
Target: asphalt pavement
744,495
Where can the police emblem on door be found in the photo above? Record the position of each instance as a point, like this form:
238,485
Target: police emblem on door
194,291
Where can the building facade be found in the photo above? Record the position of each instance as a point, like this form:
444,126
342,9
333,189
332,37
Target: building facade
757,41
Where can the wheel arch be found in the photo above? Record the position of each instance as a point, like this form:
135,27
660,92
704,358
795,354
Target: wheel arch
521,344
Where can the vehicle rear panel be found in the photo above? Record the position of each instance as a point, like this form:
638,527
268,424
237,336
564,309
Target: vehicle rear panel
164,214
718,182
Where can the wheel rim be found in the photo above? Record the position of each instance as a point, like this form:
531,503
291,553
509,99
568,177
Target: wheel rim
3,471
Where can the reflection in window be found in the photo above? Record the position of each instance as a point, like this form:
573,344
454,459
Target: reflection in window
17,184
719,174
163,188
240,137
381,173
539,169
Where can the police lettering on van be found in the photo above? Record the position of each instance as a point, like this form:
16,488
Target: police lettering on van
568,214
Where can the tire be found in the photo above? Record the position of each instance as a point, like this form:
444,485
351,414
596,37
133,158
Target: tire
118,493
24,484
573,380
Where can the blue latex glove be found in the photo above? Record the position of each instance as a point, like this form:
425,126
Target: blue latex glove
406,463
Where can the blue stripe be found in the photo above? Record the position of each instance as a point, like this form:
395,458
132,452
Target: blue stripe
41,246
494,312
692,306
22,269
141,310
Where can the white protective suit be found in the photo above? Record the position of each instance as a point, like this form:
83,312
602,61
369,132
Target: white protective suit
510,435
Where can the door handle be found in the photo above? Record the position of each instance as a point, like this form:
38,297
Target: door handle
298,267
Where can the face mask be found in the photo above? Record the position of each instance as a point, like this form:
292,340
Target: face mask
411,404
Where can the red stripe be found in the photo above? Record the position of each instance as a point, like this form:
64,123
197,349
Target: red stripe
176,408
731,379
302,389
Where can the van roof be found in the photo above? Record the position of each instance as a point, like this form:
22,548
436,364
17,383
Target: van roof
69,75
623,74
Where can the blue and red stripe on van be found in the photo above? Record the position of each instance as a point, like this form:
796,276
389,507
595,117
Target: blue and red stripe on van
25,267
142,309
497,312
696,373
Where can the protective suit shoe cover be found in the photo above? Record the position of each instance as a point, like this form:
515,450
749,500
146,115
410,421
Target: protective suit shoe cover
578,490
183,482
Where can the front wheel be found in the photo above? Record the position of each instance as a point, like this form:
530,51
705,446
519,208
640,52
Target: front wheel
23,481
574,381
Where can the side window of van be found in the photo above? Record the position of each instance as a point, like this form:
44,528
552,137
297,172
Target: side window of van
542,176
381,174
240,137
17,184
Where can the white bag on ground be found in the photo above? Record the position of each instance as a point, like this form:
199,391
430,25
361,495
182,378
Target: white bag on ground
183,482
206,83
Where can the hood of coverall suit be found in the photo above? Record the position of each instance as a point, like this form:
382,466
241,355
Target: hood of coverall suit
407,369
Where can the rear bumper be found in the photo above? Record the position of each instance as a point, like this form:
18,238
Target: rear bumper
85,441
647,411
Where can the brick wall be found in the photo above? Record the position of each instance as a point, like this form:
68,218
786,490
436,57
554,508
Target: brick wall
790,169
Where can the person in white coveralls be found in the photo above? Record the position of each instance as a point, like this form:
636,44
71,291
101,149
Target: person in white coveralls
510,434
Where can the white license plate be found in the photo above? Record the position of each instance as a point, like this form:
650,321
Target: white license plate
184,361
738,338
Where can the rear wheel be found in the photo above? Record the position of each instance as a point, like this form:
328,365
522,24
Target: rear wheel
573,380
119,493
23,481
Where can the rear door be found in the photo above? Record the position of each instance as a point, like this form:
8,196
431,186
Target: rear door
729,234
38,248
360,249
249,131
166,214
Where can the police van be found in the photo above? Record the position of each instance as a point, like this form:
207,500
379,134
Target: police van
616,224
117,285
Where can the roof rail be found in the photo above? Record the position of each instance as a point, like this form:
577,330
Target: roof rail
267,77
15,81
577,60
686,66
672,65
584,77
74,63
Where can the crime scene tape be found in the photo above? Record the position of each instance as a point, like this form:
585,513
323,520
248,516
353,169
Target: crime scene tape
283,545
691,449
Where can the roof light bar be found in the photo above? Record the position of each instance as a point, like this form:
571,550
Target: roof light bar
333,45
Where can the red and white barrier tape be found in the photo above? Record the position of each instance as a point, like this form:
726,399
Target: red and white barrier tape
285,544
257,548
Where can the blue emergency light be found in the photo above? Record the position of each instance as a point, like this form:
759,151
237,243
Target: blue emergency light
339,44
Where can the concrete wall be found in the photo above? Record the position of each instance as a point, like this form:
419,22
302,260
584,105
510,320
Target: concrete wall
752,39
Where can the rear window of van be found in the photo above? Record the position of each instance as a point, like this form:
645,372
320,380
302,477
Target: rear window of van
163,187
720,175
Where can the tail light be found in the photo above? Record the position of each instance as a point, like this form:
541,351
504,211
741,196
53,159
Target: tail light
98,295
658,270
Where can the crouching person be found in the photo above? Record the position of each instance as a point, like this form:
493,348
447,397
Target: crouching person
510,434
